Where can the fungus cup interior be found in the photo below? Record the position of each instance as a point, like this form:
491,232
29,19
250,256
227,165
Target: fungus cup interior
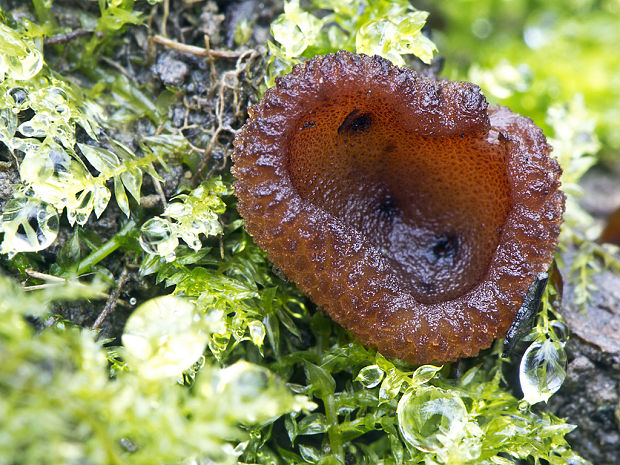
433,205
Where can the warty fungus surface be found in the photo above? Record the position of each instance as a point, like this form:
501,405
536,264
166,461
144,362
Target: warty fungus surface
412,212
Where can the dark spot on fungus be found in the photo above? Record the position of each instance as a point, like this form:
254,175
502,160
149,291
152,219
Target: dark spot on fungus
387,208
355,122
444,248
309,124
426,250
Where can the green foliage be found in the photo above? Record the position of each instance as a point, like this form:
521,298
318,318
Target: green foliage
390,29
242,32
186,217
20,59
40,114
576,146
423,415
583,259
114,17
233,284
59,405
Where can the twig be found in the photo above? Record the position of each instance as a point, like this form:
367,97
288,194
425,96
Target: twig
219,111
44,276
110,305
67,37
54,281
122,70
208,49
192,49
160,191
162,28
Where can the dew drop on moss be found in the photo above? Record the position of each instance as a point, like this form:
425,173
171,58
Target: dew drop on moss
370,376
429,418
257,332
156,237
18,95
164,336
560,331
542,370
20,59
28,224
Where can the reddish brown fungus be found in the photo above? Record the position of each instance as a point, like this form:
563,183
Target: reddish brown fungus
411,212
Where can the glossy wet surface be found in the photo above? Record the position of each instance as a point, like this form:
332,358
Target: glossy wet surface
434,206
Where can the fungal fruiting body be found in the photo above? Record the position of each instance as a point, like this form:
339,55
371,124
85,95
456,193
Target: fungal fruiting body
408,209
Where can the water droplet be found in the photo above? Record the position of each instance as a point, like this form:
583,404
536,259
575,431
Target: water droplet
28,224
101,198
157,237
8,126
239,385
577,461
370,376
560,330
63,111
163,337
18,95
542,370
429,418
481,28
128,445
29,129
257,332
81,217
56,95
194,243
24,64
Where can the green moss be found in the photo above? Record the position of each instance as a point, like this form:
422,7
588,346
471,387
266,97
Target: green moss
59,404
382,27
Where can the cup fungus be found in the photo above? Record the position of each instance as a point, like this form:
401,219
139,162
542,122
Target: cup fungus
415,215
